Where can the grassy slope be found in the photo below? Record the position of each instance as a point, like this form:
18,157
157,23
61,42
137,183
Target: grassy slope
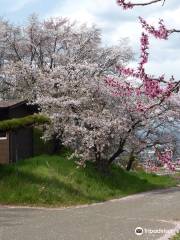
177,237
56,181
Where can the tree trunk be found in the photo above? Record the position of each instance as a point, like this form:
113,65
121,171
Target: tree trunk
102,166
57,144
130,162
118,152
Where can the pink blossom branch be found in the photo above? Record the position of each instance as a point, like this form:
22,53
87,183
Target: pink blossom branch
128,5
151,84
166,158
175,31
161,33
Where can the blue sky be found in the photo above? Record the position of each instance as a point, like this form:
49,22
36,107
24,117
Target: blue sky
18,10
114,22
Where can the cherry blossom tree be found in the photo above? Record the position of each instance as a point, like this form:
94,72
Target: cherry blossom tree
60,66
39,48
93,119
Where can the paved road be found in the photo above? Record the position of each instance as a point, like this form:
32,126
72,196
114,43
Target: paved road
113,220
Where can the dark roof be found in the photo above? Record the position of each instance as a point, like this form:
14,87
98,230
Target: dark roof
10,103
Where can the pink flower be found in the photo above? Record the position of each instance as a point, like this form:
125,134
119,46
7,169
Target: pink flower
124,5
162,32
166,158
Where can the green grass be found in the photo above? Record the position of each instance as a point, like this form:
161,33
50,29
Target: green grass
16,123
56,181
177,237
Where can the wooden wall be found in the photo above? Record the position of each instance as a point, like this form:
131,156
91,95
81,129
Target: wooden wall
4,151
21,144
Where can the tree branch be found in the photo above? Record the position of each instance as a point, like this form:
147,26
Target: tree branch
142,4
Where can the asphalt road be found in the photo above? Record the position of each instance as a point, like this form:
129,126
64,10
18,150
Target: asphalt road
155,212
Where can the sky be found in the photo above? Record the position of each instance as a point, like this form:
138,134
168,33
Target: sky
114,22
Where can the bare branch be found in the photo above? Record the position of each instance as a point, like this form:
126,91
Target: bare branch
130,4
148,3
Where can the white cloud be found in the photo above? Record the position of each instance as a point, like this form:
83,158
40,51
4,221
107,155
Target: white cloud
116,23
75,10
166,66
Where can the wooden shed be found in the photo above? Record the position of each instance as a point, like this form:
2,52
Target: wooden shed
15,145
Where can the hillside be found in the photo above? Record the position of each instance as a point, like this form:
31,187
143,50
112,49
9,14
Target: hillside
56,181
